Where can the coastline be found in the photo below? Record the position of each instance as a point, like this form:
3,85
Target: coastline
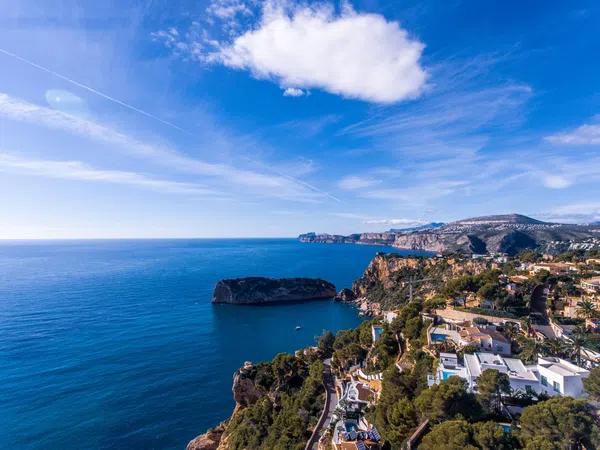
216,438
131,323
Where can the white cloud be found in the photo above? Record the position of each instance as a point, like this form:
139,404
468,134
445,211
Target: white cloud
293,92
423,192
227,9
583,135
355,55
267,184
76,170
350,183
556,181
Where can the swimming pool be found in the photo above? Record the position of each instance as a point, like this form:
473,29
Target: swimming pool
438,337
350,426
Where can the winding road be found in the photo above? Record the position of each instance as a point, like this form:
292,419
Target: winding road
331,401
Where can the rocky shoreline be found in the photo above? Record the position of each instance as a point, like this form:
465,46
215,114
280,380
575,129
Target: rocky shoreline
381,271
245,393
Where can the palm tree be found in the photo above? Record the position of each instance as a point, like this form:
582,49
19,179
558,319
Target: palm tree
555,347
587,309
527,326
530,349
578,341
511,329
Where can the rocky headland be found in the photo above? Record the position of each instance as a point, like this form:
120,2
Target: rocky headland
261,290
277,403
245,393
509,234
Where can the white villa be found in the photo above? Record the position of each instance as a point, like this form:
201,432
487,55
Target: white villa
552,376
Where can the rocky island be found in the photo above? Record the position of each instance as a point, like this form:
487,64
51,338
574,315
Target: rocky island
262,290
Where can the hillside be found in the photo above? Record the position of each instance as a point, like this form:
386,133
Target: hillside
509,233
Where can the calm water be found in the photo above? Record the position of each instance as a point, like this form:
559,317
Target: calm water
115,344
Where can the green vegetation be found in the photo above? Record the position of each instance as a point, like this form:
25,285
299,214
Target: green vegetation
458,419
592,384
460,434
396,414
559,423
448,400
492,385
325,343
530,256
351,346
483,283
285,423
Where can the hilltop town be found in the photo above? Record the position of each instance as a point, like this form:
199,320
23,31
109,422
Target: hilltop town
477,352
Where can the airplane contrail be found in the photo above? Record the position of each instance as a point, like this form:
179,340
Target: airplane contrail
141,111
91,89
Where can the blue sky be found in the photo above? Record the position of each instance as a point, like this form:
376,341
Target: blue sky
229,118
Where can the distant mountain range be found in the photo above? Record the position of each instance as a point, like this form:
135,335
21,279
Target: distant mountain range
508,233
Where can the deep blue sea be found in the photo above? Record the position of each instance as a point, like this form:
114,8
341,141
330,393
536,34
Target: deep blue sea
116,345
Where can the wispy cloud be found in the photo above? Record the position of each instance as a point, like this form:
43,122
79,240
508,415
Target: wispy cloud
353,182
418,193
582,212
270,184
77,170
438,144
369,220
92,90
448,116
395,222
587,134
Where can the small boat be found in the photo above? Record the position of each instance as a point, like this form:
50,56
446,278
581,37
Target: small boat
298,328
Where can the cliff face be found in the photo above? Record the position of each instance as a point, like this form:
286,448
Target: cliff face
245,394
277,404
259,290
385,238
421,241
386,279
510,234
209,440
313,238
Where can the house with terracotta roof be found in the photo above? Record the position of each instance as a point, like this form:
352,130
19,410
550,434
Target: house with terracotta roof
485,338
555,268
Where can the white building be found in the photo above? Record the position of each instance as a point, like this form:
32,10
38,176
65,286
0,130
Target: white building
591,284
389,316
560,376
552,376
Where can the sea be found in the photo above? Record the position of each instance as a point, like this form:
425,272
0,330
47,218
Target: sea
115,344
